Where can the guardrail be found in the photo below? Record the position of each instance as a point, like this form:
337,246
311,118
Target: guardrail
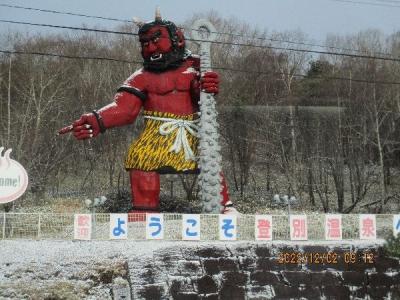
61,226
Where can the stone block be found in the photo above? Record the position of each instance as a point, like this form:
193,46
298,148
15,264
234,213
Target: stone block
310,292
358,292
151,291
395,291
380,279
287,292
382,263
229,292
335,292
235,278
228,264
247,263
264,278
214,252
175,288
354,278
263,251
206,285
378,292
326,278
184,296
244,250
266,264
191,267
211,266
296,278
210,297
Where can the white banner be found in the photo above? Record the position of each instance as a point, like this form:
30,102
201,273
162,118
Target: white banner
227,227
82,226
333,227
396,225
154,226
263,228
191,227
367,227
298,227
118,226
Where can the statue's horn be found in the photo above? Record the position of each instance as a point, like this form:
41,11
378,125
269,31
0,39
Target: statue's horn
138,22
158,14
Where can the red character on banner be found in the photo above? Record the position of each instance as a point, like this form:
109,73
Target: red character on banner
368,227
264,229
334,228
167,88
83,220
299,229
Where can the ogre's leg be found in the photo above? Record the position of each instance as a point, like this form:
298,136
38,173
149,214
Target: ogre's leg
227,205
224,192
145,188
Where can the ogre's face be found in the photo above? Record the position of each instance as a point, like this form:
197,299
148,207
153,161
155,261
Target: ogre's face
155,43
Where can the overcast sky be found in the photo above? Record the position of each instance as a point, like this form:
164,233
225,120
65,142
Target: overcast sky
316,18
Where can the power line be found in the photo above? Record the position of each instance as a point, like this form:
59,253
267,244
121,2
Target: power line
213,42
65,13
68,56
221,33
68,27
301,43
214,67
390,1
366,3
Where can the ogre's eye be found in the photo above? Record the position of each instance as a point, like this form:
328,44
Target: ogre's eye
156,39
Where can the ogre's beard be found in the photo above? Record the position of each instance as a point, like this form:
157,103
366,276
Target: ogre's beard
168,60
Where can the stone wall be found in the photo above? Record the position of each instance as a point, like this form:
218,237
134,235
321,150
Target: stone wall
253,271
195,270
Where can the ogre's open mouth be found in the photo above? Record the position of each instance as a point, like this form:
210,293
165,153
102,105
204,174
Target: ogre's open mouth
156,56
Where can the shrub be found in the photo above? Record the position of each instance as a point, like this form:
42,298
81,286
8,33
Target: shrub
392,246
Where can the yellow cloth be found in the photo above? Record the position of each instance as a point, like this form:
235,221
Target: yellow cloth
152,150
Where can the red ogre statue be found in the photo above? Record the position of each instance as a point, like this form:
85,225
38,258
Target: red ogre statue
167,88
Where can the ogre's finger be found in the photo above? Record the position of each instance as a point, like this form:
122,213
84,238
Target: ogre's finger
82,128
209,79
80,122
211,90
83,131
66,129
210,74
83,136
209,85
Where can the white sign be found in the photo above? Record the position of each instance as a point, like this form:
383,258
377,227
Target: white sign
227,227
333,227
396,225
13,178
154,226
191,227
263,228
298,227
82,227
118,226
367,227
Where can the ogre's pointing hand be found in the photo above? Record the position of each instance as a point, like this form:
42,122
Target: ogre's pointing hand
86,127
210,82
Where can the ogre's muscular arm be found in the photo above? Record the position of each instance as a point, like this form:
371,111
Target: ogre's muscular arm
127,102
175,91
124,110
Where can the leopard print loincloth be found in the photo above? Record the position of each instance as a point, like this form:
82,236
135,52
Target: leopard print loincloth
151,151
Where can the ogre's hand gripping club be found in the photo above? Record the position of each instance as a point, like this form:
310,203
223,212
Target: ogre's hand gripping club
209,150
